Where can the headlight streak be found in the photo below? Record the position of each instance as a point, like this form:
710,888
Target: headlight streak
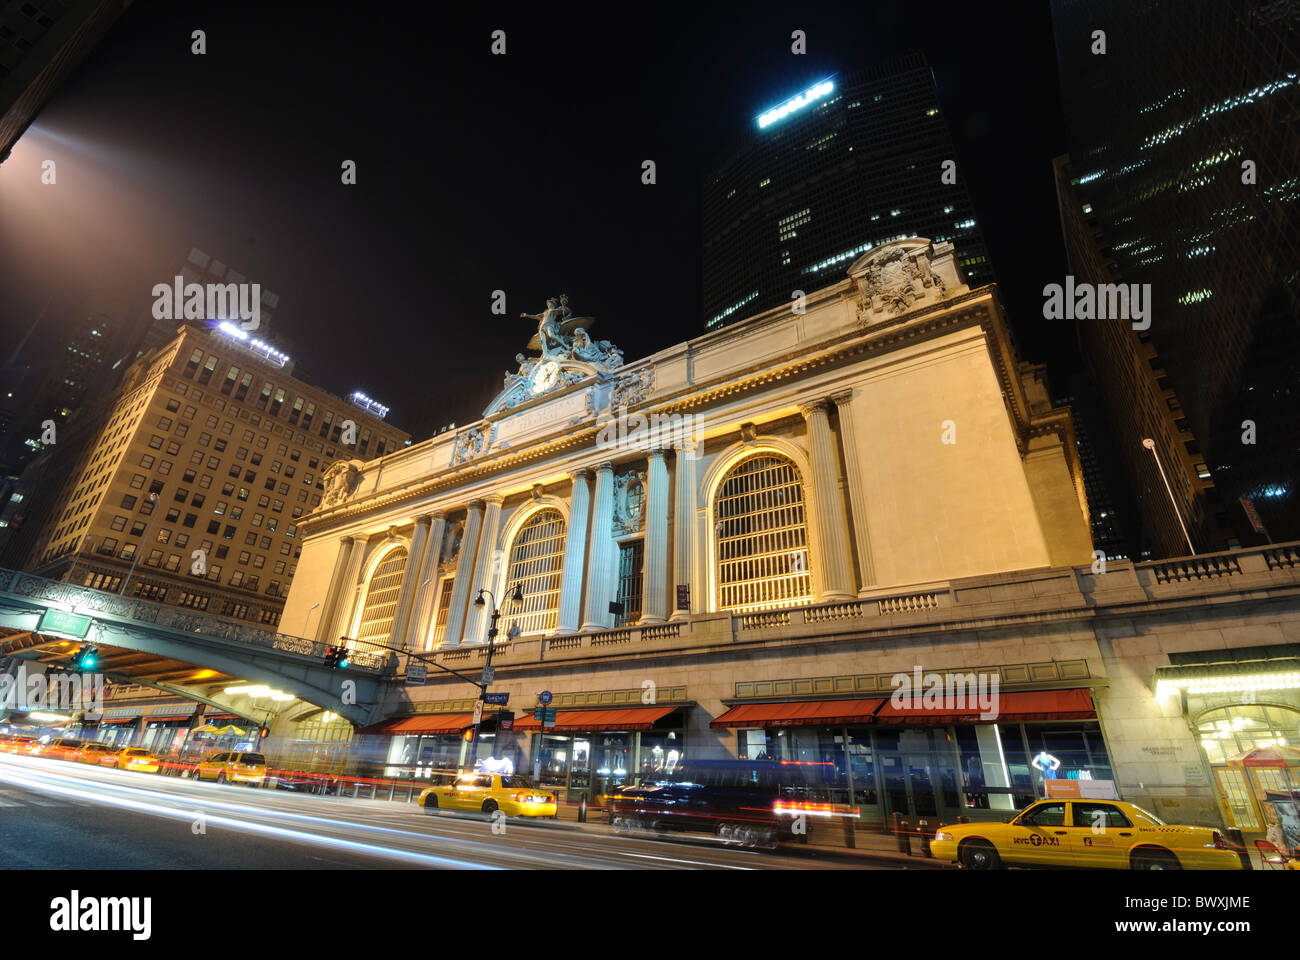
249,826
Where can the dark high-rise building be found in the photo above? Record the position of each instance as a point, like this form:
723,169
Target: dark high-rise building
1185,149
41,43
853,160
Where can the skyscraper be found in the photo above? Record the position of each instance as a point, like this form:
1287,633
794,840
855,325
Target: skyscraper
853,160
1184,147
41,43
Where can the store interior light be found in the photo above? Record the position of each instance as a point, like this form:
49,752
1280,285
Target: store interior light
1232,683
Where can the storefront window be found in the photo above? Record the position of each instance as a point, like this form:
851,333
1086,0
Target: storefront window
661,754
1227,731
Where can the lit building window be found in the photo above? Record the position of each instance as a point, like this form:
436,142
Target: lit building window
762,539
381,597
631,565
536,563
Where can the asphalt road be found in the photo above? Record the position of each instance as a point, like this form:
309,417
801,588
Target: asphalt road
62,815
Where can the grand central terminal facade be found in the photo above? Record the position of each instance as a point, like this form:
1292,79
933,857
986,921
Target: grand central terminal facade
746,544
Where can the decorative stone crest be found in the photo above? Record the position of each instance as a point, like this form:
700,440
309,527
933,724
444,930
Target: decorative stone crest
898,276
632,388
341,481
629,502
471,444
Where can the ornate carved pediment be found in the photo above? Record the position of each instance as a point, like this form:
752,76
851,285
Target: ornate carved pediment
472,444
632,388
899,276
341,481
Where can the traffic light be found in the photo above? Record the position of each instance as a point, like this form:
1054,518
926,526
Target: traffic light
86,657
336,657
467,734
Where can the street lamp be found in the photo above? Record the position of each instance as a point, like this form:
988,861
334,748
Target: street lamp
516,597
1151,445
153,515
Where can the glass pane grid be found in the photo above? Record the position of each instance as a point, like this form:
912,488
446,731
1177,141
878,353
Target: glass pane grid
536,565
381,597
762,537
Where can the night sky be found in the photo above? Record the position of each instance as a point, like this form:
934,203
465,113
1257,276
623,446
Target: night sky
478,172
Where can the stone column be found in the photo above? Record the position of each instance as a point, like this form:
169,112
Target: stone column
654,588
342,619
833,572
476,617
330,604
464,574
410,581
857,493
600,553
684,528
575,548
417,629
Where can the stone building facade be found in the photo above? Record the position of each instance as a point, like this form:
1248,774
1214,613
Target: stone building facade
738,546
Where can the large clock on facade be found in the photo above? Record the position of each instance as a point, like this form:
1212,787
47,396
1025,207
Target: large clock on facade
545,376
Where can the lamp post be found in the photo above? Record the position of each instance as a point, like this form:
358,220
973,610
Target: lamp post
153,515
1151,445
307,619
516,597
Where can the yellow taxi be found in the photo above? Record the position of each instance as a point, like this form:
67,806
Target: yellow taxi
94,752
64,748
512,794
15,743
131,758
234,767
1106,834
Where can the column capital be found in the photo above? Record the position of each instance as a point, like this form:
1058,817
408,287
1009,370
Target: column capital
840,398
581,473
425,518
438,515
347,541
605,465
813,407
654,455
494,500
479,505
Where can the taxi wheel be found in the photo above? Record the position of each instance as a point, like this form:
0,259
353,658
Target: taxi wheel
1155,860
431,805
979,855
489,807
221,778
619,824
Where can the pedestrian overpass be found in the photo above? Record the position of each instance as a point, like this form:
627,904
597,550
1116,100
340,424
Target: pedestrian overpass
180,651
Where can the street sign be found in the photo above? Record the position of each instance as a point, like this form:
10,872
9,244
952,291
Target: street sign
65,624
489,674
416,674
548,719
544,697
505,720
478,712
539,714
683,596
497,699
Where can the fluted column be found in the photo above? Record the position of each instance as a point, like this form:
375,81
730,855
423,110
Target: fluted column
600,553
684,529
835,576
348,591
464,575
857,493
417,629
410,581
330,602
654,590
476,617
575,549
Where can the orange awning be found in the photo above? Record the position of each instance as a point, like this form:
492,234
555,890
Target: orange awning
1010,708
574,721
431,723
799,713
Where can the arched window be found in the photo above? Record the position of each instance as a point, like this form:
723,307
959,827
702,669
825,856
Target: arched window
1228,731
381,597
536,563
762,539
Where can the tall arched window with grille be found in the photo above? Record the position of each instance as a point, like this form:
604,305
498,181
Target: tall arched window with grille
381,597
762,537
536,565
